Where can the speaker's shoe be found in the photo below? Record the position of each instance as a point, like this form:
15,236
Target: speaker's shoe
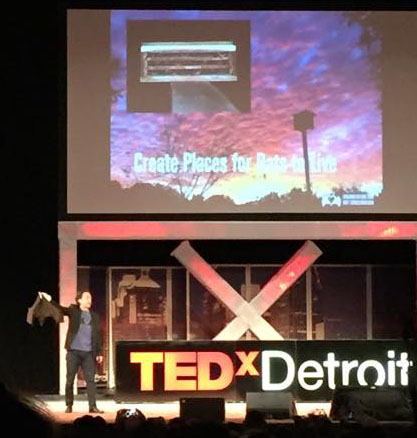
68,410
95,410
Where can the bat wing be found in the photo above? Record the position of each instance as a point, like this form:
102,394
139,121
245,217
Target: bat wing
42,309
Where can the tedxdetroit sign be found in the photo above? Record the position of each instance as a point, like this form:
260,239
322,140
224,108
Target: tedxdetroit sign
233,368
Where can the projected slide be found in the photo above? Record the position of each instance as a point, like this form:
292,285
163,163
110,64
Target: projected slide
235,111
246,107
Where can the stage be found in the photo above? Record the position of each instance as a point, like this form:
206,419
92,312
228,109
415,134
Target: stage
54,405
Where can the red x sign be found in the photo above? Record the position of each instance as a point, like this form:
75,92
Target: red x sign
248,314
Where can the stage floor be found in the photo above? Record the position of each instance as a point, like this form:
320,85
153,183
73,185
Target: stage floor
234,411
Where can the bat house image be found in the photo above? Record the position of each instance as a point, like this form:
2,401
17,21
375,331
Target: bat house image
202,61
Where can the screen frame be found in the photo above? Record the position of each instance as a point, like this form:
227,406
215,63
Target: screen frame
63,212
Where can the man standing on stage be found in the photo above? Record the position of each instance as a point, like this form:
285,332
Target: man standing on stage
83,345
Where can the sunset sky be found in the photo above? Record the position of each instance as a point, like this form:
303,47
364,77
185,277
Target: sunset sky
299,61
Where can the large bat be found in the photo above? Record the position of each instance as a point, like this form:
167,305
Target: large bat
42,309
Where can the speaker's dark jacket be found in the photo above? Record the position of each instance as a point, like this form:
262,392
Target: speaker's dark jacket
74,314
